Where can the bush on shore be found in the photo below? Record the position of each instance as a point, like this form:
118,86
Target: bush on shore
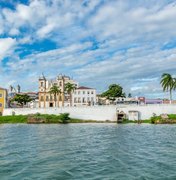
36,118
169,119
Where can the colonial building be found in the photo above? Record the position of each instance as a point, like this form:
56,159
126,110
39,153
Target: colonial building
3,99
46,99
84,96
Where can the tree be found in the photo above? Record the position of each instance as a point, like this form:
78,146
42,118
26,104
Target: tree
123,95
115,90
21,99
129,95
69,88
55,91
168,83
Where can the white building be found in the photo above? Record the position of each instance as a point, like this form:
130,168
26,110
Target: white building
84,96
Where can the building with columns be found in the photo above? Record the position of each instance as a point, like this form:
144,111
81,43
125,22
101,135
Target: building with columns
46,99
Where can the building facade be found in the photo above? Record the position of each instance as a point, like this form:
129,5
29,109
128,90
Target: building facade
84,96
46,99
3,99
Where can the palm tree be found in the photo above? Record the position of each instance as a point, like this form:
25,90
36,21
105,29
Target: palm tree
55,91
63,89
69,88
168,83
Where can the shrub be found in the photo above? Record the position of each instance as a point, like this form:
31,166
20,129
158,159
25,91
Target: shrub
64,117
155,118
37,114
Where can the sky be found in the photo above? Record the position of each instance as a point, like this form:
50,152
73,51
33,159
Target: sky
96,42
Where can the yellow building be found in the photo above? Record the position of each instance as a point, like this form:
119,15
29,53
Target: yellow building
46,99
3,99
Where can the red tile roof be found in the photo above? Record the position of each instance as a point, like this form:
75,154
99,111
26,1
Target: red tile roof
83,87
3,88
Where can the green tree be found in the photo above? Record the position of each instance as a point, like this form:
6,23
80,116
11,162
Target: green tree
21,99
69,88
129,95
123,95
168,83
55,91
115,90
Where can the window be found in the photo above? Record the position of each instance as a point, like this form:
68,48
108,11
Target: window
75,100
92,92
78,92
83,100
0,105
0,95
88,92
41,84
41,98
60,98
47,98
83,92
60,84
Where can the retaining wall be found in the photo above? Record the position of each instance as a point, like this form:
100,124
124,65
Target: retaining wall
101,113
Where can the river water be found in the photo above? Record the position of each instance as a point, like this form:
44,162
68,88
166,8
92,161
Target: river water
87,151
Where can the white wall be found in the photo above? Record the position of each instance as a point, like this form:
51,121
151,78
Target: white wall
86,113
98,112
147,111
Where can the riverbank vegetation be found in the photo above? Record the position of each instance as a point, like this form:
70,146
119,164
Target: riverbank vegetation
164,119
64,119
36,118
45,119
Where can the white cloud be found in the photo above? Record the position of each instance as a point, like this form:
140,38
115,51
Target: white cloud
6,47
121,41
117,20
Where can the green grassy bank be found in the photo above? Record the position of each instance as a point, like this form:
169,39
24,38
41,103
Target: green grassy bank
167,119
64,118
45,118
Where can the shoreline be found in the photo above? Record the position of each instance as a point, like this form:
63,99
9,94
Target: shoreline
56,119
65,119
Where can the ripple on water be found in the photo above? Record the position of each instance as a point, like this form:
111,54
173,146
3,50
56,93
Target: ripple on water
87,151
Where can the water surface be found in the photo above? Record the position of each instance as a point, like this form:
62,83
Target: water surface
87,151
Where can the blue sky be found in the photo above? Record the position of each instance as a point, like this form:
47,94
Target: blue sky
97,42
